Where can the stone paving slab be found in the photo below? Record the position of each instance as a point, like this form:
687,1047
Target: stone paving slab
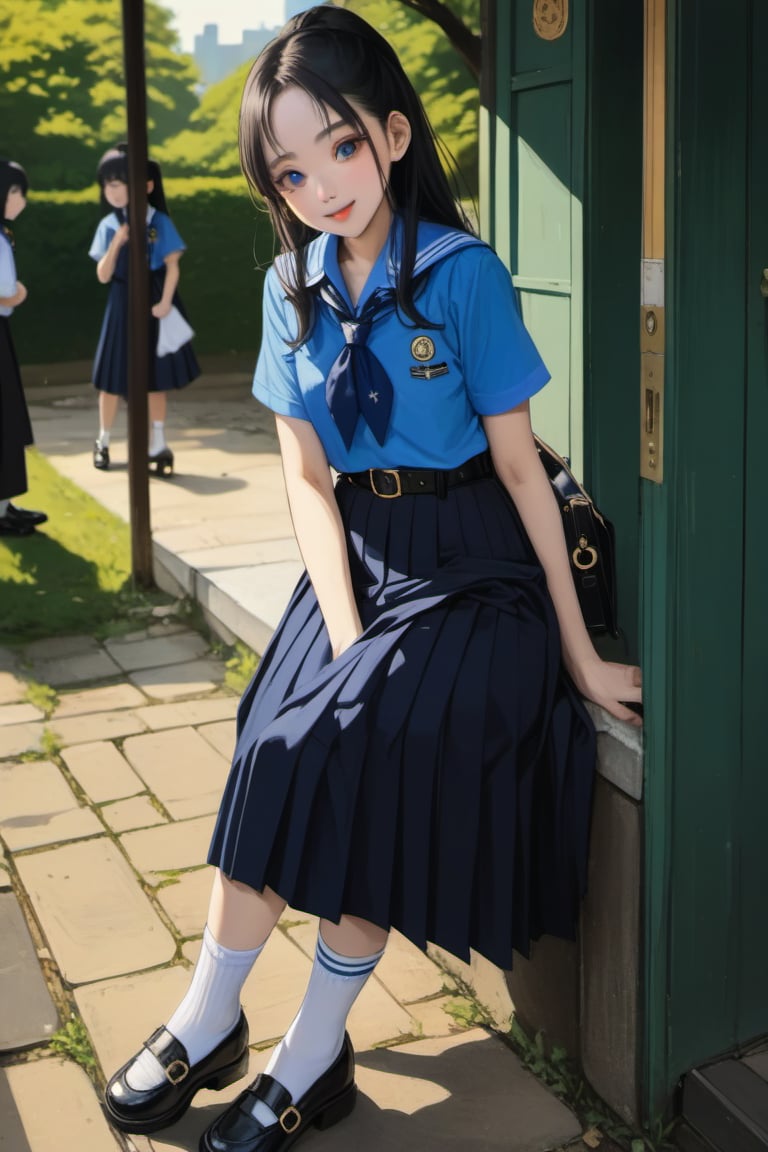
157,716
17,739
180,845
51,1104
19,714
11,688
186,900
60,648
127,815
185,773
75,669
177,680
97,920
109,699
29,1015
458,1092
37,807
220,736
120,1014
101,771
96,726
156,651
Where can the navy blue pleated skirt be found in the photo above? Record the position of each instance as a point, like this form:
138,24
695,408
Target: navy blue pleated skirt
437,776
110,365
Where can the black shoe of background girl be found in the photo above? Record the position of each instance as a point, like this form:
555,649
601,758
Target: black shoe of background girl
25,515
162,462
330,1099
100,457
131,1110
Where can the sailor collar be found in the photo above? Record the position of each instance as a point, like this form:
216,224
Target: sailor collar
434,243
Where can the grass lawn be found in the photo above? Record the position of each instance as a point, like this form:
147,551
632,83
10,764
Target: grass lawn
74,573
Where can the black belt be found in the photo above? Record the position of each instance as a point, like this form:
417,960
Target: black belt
389,483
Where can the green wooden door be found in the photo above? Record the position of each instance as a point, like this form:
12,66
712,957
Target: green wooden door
536,221
561,155
706,627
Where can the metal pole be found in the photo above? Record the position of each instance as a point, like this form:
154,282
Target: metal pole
139,352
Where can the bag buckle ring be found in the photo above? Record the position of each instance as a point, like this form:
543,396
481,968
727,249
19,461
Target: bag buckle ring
386,472
584,548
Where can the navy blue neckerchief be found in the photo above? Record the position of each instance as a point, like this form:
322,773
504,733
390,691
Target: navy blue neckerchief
357,383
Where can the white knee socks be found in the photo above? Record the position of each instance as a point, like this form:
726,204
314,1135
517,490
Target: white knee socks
316,1035
208,1012
157,443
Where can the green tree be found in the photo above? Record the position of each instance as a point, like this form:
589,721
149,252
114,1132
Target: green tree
62,90
446,85
209,142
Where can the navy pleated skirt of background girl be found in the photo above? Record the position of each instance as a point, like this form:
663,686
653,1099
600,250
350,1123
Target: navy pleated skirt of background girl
436,777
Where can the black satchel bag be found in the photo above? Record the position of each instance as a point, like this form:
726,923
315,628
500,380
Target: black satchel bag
589,537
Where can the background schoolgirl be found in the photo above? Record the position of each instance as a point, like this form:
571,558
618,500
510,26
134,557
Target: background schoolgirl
15,427
164,250
413,751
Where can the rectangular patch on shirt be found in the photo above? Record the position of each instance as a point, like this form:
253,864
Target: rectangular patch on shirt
427,371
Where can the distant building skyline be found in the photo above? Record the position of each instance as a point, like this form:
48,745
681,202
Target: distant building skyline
216,59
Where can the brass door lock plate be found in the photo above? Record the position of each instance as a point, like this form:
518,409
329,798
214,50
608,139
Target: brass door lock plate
652,393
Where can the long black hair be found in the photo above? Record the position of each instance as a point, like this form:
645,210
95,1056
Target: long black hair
336,57
12,175
114,166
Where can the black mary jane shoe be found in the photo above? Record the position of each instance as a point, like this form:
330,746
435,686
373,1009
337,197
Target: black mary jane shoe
15,526
25,515
131,1110
162,462
330,1099
100,457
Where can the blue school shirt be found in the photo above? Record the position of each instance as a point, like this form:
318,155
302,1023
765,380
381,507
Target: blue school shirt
480,362
162,237
7,273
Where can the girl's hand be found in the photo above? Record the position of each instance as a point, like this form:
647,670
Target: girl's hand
160,309
611,686
120,237
21,294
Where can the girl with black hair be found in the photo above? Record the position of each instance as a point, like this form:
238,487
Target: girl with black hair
15,428
413,751
169,370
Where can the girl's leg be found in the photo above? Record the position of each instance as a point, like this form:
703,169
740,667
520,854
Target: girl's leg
346,955
107,411
239,923
158,407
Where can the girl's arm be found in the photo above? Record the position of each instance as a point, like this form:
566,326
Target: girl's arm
18,297
518,466
163,306
318,528
105,269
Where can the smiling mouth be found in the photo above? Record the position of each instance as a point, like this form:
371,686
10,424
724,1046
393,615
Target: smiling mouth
342,213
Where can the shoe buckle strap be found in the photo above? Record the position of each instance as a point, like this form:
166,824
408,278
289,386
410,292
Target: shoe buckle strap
176,1071
290,1119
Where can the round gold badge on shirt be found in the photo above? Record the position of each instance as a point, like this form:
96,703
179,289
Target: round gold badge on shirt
422,348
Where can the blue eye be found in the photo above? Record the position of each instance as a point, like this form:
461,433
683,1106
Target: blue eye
290,179
346,149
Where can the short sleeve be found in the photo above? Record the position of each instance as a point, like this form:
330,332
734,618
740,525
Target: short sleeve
7,269
502,366
102,237
168,238
275,382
